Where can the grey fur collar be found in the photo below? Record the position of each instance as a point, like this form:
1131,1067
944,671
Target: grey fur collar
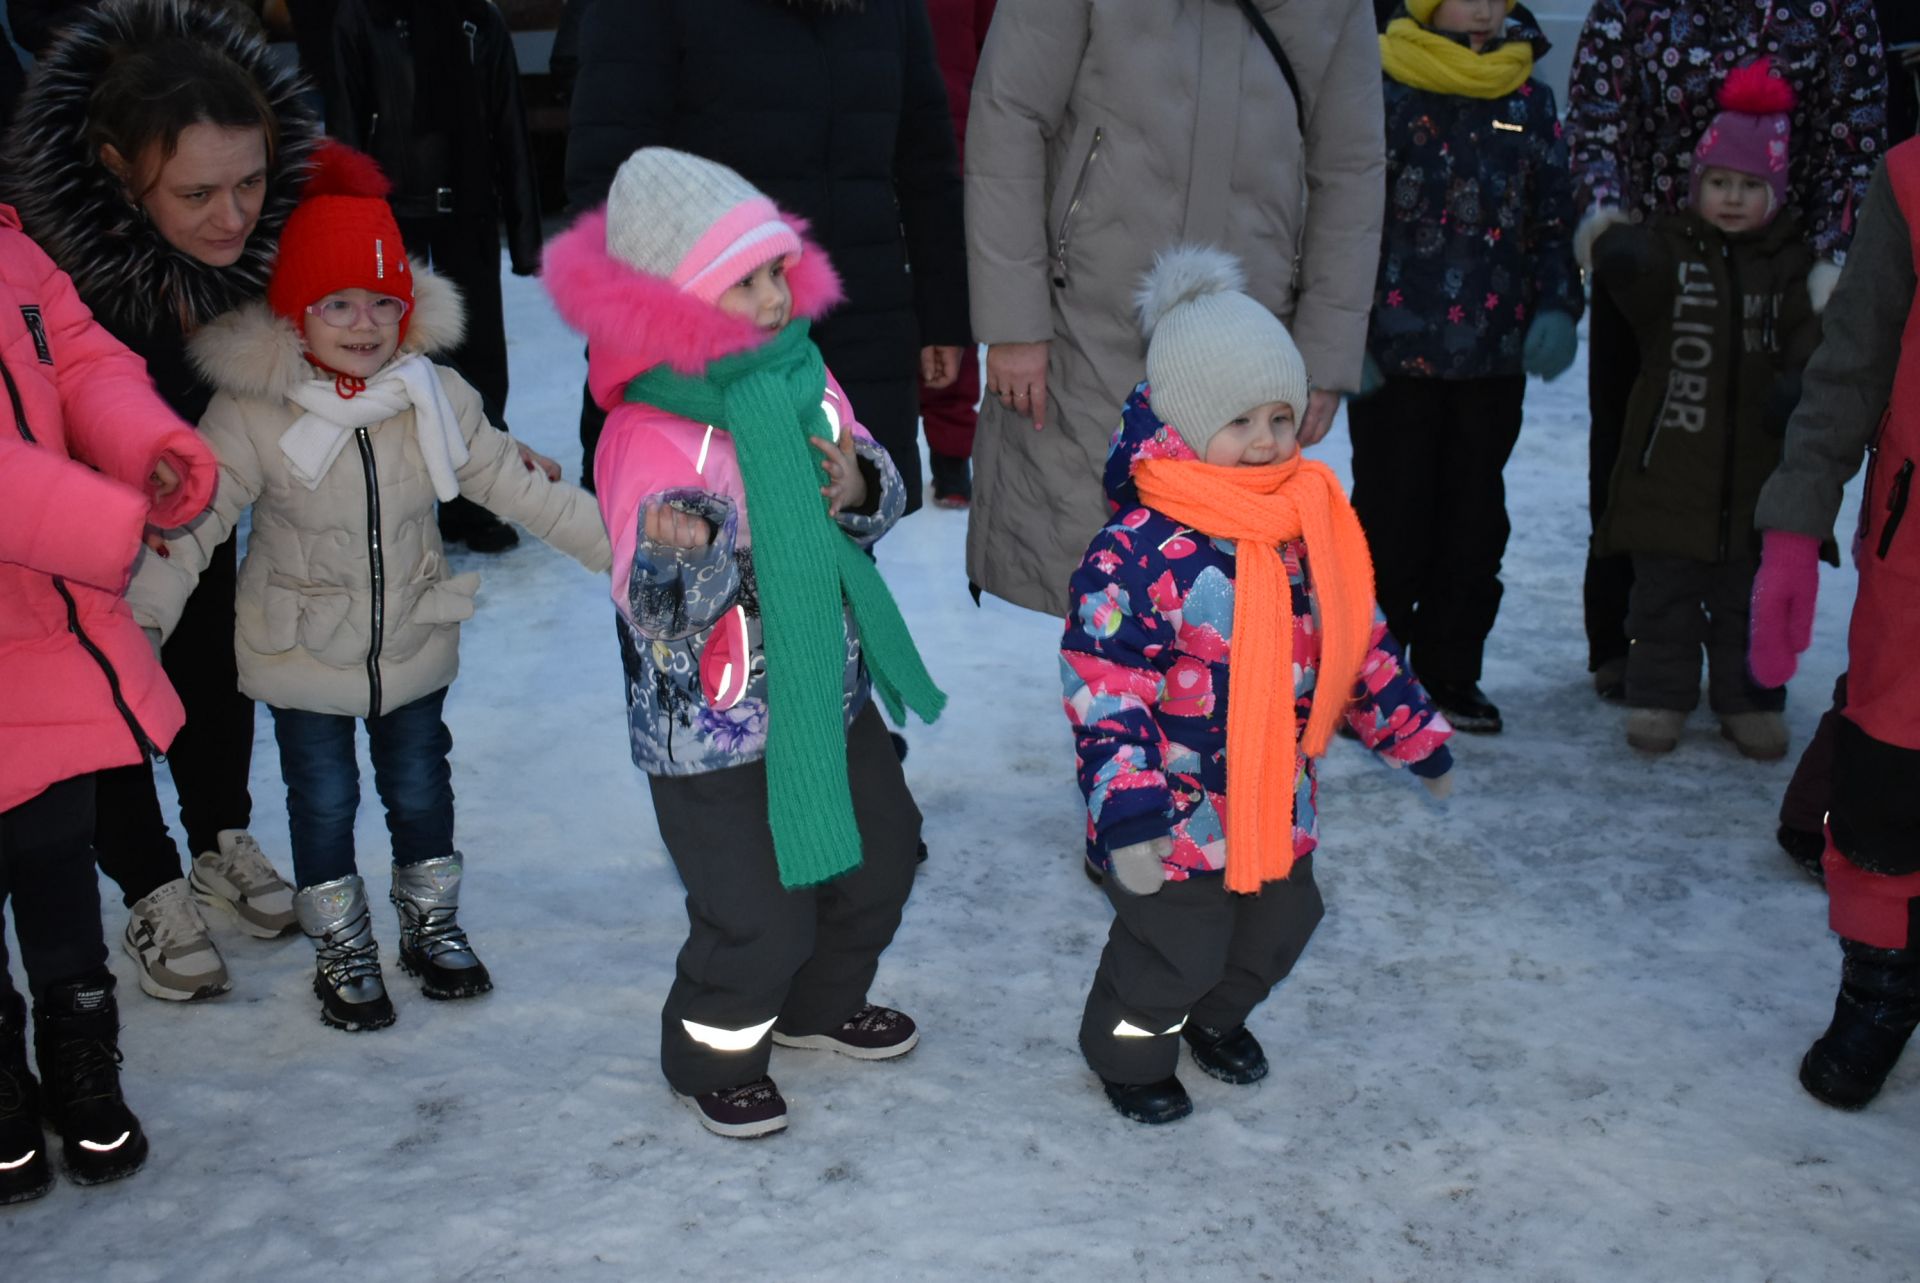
253,353
124,269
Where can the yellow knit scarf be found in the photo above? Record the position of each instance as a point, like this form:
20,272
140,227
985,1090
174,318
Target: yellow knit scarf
1422,58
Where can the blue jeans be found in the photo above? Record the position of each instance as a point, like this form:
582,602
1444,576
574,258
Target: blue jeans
409,748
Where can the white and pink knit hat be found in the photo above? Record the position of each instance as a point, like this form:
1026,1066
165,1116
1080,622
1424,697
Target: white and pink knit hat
693,222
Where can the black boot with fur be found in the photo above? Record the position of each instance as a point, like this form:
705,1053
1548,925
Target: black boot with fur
24,1170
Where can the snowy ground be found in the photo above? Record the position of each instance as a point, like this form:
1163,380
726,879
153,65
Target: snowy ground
1546,1033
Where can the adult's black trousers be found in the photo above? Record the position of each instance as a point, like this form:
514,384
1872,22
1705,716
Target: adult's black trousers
210,758
1428,462
46,871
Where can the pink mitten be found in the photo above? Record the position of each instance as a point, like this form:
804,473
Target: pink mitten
1783,596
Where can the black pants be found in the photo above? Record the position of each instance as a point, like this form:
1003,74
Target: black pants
210,758
1192,951
46,870
1428,459
1809,794
1613,363
1680,606
757,953
467,252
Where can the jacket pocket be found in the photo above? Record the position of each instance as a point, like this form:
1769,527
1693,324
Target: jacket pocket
292,616
1069,194
1896,506
448,602
425,608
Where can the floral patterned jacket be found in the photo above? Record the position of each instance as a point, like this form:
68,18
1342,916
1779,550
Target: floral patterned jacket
1479,230
1646,80
1146,660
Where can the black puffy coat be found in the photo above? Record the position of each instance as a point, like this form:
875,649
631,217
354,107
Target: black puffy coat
439,161
836,110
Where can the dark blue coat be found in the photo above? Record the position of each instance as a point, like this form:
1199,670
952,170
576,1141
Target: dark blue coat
1479,231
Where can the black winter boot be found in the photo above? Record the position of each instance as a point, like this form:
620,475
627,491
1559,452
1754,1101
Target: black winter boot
76,1038
1878,1007
1231,1055
1163,1102
24,1170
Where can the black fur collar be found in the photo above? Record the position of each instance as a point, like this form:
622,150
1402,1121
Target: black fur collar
68,202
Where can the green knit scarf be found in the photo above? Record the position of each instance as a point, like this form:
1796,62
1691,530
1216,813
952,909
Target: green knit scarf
769,401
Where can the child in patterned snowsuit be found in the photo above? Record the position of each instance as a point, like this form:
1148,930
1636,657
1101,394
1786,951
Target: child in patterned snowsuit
753,627
1201,578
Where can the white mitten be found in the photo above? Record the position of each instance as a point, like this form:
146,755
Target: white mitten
1138,868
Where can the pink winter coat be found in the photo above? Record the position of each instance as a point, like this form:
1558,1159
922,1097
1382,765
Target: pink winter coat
80,689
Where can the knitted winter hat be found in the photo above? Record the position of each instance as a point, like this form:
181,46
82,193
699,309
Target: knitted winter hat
1422,10
1212,352
342,235
694,222
1751,133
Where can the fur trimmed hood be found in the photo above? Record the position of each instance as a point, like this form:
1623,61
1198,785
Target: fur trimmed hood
77,210
251,352
635,321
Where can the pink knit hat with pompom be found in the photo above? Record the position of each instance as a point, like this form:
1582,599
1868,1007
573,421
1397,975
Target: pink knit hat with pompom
1751,133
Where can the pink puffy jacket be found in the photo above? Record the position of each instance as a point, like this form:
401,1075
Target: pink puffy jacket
80,689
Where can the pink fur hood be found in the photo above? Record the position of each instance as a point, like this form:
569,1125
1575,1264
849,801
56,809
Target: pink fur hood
635,321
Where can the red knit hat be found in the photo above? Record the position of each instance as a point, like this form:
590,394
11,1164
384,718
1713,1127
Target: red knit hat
341,235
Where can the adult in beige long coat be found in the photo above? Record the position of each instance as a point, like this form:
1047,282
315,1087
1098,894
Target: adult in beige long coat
1103,132
346,603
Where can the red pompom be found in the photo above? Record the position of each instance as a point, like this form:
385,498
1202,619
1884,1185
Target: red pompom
1753,90
339,170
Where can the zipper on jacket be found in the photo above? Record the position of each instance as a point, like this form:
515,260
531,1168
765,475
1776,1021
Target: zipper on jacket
378,572
1896,505
141,739
1065,233
473,48
373,130
1730,411
1861,526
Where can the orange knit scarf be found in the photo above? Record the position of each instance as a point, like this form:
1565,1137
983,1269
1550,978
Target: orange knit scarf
1260,509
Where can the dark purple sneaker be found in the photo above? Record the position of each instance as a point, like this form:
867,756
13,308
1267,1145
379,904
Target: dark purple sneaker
744,1112
871,1033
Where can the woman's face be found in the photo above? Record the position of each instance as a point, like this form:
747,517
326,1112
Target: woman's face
206,197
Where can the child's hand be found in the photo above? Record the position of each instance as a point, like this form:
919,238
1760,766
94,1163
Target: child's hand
672,528
1441,786
1139,869
163,481
846,487
534,459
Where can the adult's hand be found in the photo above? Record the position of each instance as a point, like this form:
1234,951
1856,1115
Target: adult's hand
1319,421
939,366
1017,375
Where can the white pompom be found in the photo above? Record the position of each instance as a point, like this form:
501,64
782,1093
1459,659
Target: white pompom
1183,274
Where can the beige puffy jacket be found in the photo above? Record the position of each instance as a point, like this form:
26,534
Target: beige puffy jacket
312,630
1105,131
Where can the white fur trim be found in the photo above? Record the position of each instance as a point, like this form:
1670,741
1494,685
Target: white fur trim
1597,220
1820,282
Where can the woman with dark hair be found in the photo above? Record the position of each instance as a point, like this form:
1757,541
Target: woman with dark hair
155,156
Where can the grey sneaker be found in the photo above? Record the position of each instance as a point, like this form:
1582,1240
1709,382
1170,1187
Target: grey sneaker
168,939
1761,736
238,879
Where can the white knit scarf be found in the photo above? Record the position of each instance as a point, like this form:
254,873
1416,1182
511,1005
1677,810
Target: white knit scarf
317,437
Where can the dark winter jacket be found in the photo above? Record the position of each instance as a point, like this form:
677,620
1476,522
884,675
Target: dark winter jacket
1900,24
431,90
833,108
1647,75
1479,230
1725,327
143,290
1146,658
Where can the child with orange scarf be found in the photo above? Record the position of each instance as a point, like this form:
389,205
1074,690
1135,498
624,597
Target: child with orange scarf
1228,557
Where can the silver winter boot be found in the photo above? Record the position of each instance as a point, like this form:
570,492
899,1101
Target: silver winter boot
432,945
347,973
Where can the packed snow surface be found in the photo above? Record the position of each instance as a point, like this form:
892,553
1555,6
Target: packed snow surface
1548,1031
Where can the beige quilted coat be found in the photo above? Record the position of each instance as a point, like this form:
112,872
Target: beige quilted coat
1103,131
307,634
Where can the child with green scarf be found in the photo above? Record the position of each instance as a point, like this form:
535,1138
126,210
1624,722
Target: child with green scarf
741,496
1477,289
